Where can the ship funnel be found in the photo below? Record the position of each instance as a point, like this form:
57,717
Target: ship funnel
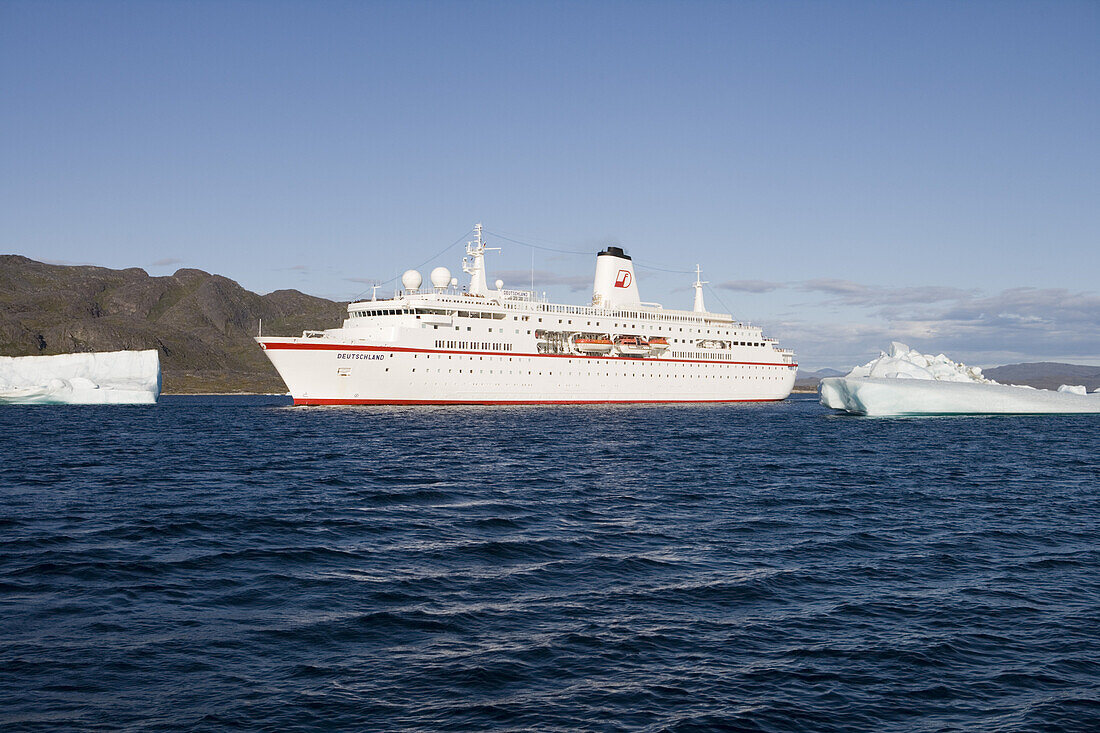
614,286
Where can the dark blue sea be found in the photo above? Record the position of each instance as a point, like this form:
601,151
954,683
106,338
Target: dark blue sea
236,563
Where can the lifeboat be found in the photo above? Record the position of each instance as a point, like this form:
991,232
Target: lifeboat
632,345
658,344
588,345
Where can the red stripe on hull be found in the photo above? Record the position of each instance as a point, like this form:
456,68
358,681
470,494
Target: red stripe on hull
311,401
404,349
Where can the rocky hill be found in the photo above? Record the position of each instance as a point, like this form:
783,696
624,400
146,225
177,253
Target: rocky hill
807,381
202,324
1046,374
1041,375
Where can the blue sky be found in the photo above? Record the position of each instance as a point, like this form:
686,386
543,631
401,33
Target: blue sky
845,173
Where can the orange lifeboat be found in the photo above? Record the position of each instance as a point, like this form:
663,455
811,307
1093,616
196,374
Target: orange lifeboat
589,345
632,345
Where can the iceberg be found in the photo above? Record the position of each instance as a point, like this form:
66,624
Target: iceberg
903,381
93,378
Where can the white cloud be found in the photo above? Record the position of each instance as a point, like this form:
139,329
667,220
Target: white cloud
1020,324
846,292
751,286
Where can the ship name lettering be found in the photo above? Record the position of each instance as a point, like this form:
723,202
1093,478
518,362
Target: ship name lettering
344,355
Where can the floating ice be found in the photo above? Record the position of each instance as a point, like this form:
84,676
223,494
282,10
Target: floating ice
96,378
906,382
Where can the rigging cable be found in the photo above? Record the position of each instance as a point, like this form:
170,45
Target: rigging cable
636,263
718,298
538,246
582,252
433,257
547,249
664,269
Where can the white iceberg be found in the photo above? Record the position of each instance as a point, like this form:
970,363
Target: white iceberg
94,378
906,382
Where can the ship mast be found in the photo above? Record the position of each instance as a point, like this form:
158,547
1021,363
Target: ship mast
475,266
699,307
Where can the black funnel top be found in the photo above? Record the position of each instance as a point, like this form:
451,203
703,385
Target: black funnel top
615,252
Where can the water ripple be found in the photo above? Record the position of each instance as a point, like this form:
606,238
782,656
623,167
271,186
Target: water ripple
234,563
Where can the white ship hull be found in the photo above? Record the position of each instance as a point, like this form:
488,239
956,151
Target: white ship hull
326,373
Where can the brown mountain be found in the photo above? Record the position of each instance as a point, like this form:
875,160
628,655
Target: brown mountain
1041,375
1046,374
202,324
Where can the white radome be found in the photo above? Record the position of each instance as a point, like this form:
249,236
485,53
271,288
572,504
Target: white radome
441,277
411,280
499,284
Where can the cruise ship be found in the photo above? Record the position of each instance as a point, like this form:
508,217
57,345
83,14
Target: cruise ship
443,344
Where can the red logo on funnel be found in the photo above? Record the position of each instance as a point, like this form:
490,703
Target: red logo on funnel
622,280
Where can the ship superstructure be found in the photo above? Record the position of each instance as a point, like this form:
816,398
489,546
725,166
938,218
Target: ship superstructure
480,345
